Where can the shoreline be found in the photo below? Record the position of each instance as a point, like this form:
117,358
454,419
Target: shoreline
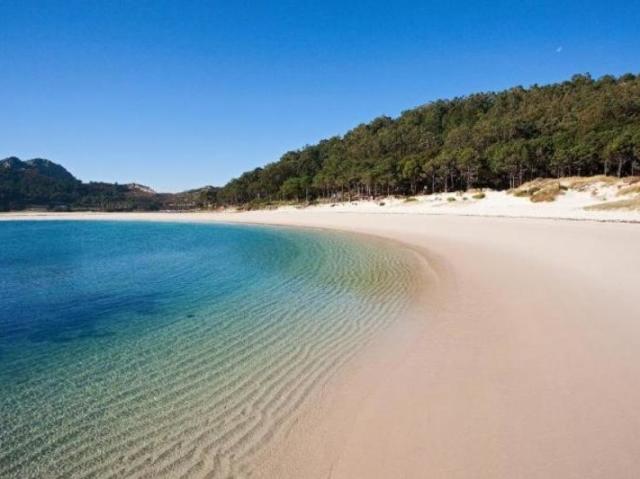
523,368
235,216
525,364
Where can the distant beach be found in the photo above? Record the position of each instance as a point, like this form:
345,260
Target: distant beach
523,364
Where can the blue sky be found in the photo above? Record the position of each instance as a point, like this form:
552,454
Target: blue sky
178,94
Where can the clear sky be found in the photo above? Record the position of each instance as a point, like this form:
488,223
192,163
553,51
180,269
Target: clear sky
178,94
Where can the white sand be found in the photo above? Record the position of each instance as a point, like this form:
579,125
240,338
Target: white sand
572,204
525,362
577,202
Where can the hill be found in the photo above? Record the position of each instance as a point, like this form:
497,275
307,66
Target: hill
498,140
43,184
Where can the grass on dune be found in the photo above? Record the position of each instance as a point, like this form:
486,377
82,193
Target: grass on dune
633,188
579,183
628,204
548,189
539,190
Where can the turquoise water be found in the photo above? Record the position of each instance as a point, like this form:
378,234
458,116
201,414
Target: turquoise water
139,349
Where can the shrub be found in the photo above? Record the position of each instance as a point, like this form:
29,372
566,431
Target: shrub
629,190
257,204
631,180
580,183
631,204
479,196
451,199
547,193
540,190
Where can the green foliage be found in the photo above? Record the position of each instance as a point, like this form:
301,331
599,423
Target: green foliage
498,140
43,184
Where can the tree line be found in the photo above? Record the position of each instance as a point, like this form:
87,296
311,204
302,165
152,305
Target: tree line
580,127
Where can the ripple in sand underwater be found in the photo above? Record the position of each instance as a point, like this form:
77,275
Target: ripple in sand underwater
132,349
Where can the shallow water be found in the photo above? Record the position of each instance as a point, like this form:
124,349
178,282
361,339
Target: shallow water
138,349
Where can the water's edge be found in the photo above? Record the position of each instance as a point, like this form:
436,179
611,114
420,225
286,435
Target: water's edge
200,450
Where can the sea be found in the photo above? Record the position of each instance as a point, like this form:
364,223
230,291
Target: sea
158,349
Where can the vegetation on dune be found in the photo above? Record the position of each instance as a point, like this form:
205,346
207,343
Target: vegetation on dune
548,189
633,188
548,193
628,204
501,140
540,190
585,183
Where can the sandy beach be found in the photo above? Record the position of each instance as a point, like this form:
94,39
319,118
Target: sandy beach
521,360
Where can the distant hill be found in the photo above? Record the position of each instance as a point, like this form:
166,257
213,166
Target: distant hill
35,182
37,167
43,184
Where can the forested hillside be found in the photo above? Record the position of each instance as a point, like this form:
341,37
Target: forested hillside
40,183
499,140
